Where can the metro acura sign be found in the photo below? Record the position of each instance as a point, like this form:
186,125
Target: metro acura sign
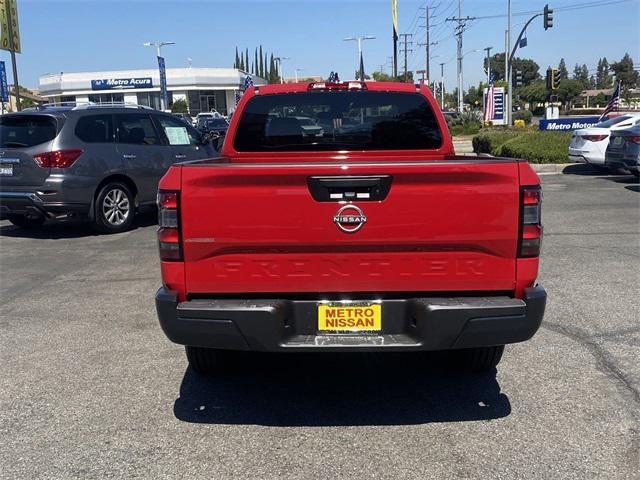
121,83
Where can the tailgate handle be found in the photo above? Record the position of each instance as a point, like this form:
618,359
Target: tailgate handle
348,187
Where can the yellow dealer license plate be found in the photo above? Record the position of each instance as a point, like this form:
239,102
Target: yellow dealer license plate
350,317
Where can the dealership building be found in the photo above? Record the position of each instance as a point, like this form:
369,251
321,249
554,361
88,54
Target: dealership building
204,89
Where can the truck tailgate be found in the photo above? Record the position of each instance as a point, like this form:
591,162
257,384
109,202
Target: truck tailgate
443,226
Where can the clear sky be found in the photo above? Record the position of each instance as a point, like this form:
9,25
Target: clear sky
87,35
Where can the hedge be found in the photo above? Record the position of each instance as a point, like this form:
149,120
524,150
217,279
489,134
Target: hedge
538,147
488,141
534,146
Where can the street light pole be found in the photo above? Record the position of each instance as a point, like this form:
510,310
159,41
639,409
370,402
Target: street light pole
279,60
359,40
163,84
296,73
488,49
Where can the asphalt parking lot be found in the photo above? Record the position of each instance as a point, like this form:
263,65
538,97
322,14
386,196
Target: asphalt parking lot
91,388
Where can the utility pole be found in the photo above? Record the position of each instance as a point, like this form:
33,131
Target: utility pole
442,85
488,49
459,31
428,43
406,50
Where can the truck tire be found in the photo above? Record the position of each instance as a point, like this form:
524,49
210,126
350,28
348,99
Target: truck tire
114,208
26,221
206,361
480,358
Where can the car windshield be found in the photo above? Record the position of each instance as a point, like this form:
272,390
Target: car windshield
21,131
216,123
613,121
350,121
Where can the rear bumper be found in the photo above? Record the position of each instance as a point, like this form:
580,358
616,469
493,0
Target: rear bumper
20,203
407,323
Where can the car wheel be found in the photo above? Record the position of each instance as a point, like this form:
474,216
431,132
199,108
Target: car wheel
207,361
114,208
480,358
26,221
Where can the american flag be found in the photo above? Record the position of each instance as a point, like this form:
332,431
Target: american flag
248,83
614,103
489,105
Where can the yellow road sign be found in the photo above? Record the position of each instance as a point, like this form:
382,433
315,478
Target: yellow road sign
10,34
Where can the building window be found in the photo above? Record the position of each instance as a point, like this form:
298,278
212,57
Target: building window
207,101
67,98
152,99
107,98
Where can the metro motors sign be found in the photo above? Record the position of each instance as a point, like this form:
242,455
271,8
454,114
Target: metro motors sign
568,124
121,83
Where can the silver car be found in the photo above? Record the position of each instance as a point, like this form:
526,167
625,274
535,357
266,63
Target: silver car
94,161
624,150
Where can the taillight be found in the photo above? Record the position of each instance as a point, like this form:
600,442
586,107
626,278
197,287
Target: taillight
530,222
633,138
353,85
594,138
57,158
169,238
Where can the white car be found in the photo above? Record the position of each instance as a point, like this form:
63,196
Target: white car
588,145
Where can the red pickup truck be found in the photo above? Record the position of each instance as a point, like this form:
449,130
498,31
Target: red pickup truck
338,218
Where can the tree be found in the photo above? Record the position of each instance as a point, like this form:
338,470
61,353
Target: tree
261,67
530,69
474,95
533,93
246,59
603,77
568,90
256,67
626,75
236,63
382,77
366,75
562,67
179,106
581,74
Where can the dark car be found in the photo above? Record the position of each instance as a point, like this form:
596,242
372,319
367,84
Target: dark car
623,150
217,126
94,161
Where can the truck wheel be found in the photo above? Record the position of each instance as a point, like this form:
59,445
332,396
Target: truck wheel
206,361
480,358
26,221
114,208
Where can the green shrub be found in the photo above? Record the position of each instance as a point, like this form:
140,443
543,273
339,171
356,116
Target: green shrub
525,115
467,123
490,139
537,147
179,106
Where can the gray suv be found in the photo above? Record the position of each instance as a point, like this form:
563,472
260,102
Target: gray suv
96,161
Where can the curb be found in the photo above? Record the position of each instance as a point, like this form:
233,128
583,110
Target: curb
552,168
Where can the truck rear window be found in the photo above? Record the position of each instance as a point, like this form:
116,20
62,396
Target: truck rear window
22,131
331,120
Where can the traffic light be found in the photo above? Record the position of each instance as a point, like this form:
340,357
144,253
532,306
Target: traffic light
553,78
548,17
518,78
